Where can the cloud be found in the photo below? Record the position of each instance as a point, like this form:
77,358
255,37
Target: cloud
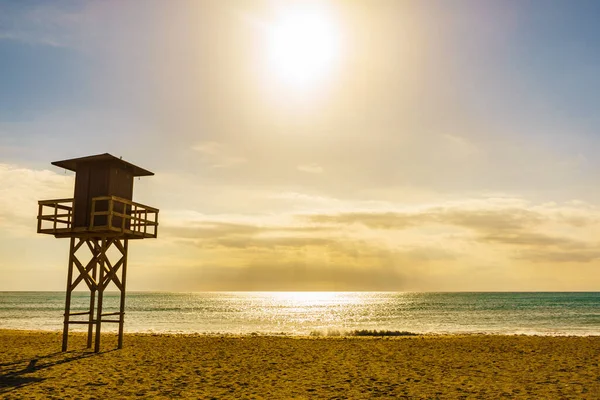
20,191
522,231
217,230
243,256
43,24
269,243
560,256
521,238
489,220
269,275
304,263
480,220
510,230
575,162
460,145
216,156
310,168
375,220
209,230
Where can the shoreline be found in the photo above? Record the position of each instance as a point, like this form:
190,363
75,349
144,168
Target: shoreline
202,366
313,334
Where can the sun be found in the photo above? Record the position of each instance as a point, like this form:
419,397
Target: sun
303,44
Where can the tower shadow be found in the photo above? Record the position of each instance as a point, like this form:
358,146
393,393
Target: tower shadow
15,374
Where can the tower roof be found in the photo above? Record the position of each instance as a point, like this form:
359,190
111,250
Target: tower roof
73,163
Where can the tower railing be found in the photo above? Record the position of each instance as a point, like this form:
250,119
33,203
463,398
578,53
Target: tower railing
60,215
125,216
109,214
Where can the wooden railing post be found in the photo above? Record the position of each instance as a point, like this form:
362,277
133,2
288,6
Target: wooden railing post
156,224
123,219
70,215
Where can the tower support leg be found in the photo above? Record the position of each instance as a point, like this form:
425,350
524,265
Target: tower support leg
102,266
95,248
123,282
65,339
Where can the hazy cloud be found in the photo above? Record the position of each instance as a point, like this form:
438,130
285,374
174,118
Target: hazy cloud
479,220
22,188
310,168
511,227
460,145
386,220
293,275
490,220
219,230
217,156
564,256
521,238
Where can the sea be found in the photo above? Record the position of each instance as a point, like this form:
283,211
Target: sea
320,313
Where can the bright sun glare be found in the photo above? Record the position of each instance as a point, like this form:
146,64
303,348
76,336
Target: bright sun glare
303,44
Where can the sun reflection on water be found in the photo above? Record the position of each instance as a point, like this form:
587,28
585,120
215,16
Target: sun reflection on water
308,298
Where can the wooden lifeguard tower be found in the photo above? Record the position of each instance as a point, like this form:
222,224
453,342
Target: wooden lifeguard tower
101,216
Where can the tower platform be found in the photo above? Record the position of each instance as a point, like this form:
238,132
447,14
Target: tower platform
110,216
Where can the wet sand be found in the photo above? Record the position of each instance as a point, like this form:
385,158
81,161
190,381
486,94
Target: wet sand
180,366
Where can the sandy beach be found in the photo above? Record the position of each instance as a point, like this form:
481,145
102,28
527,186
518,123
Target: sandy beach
188,366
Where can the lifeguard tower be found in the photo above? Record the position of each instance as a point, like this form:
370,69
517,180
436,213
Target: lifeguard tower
101,216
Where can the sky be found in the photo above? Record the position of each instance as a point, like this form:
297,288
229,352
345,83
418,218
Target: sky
379,145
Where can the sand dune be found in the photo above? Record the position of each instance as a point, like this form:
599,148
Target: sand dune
164,366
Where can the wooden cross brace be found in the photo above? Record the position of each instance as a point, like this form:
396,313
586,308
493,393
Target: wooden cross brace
97,274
